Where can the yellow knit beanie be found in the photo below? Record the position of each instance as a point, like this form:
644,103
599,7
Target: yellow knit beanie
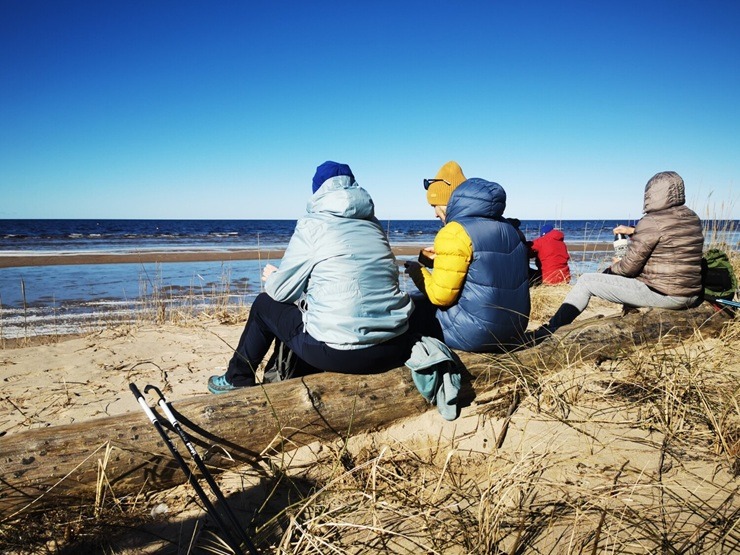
439,192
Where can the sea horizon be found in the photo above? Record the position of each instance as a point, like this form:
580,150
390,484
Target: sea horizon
115,234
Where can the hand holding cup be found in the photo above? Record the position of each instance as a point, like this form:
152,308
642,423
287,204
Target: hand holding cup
624,230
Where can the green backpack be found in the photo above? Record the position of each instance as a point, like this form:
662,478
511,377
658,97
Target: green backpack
717,276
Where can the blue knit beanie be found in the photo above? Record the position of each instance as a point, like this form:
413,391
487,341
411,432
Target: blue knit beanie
547,228
328,170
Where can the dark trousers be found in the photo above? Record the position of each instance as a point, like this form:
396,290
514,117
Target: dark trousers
269,320
424,318
535,276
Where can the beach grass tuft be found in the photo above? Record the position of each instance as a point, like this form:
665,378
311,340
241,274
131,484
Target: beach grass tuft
201,302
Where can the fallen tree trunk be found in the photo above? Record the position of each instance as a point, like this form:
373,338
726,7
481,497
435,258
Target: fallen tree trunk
65,464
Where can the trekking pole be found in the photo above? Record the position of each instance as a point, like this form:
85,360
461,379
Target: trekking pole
210,509
725,302
166,409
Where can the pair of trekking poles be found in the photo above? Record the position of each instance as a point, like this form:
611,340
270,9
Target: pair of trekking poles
234,542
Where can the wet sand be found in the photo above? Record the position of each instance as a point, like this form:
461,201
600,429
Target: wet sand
15,260
134,257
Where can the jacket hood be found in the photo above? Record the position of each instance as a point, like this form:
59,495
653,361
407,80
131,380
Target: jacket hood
555,235
342,196
664,190
477,197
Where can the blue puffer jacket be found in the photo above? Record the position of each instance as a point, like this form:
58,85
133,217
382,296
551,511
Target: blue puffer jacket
340,259
493,307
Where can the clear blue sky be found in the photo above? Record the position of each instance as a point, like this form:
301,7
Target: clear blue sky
181,109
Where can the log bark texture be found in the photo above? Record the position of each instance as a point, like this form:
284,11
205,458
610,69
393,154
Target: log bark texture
62,464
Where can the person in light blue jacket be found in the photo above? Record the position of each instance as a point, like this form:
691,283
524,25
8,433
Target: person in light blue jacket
335,301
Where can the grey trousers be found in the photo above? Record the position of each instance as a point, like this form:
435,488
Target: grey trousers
623,290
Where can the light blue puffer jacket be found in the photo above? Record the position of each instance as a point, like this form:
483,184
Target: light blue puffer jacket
339,257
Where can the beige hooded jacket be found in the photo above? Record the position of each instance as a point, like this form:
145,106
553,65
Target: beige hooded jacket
666,248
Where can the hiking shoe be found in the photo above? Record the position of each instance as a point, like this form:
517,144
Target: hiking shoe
219,384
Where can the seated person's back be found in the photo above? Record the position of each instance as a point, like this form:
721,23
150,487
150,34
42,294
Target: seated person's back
478,289
551,256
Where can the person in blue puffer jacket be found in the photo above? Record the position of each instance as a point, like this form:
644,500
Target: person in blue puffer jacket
335,301
476,297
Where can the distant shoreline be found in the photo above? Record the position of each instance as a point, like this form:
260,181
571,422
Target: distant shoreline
20,260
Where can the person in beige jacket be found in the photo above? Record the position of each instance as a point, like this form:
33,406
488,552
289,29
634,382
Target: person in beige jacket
662,266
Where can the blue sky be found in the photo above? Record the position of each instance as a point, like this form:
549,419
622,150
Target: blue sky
180,109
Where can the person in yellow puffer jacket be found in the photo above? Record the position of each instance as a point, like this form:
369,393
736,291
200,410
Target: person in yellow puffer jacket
477,296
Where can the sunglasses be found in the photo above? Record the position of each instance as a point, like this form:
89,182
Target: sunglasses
428,182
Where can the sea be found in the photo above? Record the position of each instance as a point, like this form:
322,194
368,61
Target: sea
75,298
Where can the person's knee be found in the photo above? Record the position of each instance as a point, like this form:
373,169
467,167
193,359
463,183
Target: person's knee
587,279
592,284
261,302
580,294
261,310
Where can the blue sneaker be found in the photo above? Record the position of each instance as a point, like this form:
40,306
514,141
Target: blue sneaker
219,384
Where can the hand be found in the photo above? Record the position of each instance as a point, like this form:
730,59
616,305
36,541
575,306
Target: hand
412,266
267,271
624,230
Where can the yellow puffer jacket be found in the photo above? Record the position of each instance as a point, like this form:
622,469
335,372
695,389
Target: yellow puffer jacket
454,252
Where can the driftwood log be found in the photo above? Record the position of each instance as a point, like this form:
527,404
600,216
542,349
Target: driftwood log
63,464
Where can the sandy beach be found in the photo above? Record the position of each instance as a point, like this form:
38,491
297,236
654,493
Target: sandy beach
16,260
574,439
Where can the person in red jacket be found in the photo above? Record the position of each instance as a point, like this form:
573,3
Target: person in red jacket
551,257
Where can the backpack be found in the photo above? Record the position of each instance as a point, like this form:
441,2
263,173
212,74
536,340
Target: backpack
717,276
284,365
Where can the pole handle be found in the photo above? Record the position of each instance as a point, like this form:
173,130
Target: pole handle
140,398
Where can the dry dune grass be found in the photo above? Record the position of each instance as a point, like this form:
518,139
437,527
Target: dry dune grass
200,303
633,455
641,456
